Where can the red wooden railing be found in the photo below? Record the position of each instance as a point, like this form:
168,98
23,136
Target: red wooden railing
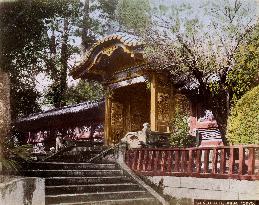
236,162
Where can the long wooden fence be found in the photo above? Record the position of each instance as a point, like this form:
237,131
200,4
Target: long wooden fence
236,162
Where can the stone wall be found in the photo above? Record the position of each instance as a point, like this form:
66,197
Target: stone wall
29,191
208,188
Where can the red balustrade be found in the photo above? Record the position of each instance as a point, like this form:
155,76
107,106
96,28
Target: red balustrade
236,162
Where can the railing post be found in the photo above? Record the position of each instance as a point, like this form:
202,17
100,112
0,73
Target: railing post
169,162
251,161
163,161
214,161
231,161
127,158
135,160
222,161
190,162
241,160
156,153
146,160
184,161
177,159
198,161
206,160
150,160
141,160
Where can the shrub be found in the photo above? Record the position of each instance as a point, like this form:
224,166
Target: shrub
180,129
12,154
180,134
243,122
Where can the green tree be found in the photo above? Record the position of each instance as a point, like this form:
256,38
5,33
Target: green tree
77,22
21,32
244,119
40,37
244,75
99,25
84,91
64,27
22,43
198,48
133,15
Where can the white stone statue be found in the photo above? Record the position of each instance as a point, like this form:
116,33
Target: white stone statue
136,139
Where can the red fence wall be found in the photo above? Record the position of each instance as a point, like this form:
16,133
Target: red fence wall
236,162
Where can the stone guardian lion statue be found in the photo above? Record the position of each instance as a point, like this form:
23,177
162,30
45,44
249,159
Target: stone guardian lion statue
137,139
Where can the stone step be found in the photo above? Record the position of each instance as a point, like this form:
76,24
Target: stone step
71,179
85,153
78,158
87,197
73,157
67,166
91,188
85,149
136,201
70,173
51,181
77,153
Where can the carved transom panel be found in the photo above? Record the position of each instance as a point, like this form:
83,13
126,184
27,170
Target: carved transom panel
116,121
163,106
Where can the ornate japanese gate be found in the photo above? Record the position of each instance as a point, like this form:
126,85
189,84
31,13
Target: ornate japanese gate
135,93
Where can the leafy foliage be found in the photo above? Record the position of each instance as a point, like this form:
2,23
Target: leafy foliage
180,134
244,119
12,154
21,45
77,22
84,91
102,22
244,74
24,101
133,15
198,49
25,47
40,37
64,27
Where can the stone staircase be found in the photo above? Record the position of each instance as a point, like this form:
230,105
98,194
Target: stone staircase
69,179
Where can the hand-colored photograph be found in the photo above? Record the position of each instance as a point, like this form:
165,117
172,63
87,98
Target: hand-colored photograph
129,102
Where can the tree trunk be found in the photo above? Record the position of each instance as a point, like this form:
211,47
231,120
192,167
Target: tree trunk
64,66
53,51
219,105
87,38
5,116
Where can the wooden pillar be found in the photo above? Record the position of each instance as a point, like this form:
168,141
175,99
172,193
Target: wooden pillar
153,105
107,123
